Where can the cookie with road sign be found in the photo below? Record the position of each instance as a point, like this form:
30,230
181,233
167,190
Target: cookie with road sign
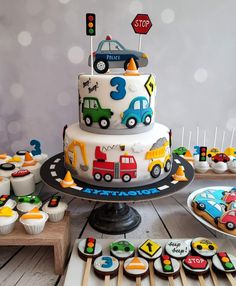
136,267
196,265
166,266
150,249
224,262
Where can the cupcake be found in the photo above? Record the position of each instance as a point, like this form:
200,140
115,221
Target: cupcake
16,160
4,186
41,158
33,166
6,201
8,217
219,167
22,182
34,221
201,167
6,169
232,166
27,203
55,209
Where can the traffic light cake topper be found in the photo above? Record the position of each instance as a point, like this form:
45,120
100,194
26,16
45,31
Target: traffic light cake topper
54,201
90,24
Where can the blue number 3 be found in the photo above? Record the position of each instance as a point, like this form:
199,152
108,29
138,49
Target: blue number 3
107,262
37,145
120,92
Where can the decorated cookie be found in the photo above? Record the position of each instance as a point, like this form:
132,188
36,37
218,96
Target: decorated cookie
122,249
136,267
178,249
230,197
150,249
227,222
224,262
195,265
204,246
166,266
89,248
106,265
231,206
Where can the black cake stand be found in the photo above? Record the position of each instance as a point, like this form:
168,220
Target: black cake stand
115,216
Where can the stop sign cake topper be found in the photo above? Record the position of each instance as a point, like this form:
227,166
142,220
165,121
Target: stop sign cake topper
141,25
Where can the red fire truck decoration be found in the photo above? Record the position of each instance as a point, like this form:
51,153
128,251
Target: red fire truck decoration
125,169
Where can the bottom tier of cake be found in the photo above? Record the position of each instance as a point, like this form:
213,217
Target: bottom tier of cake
118,160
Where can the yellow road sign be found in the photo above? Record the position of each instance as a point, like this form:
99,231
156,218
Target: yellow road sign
149,247
150,85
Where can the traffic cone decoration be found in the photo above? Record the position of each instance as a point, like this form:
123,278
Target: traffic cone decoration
3,156
135,263
189,157
131,69
68,181
33,214
29,161
180,175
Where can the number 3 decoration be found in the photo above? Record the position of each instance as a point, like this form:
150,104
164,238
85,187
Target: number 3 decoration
107,262
120,92
37,145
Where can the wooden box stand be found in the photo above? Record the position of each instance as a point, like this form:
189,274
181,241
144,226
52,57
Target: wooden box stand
54,234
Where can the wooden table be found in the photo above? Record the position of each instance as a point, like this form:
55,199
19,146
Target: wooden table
34,265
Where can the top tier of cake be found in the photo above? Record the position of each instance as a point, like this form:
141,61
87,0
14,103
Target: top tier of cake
116,104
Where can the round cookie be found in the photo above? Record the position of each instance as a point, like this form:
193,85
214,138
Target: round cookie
106,265
178,249
89,248
167,266
150,250
136,267
196,265
224,262
122,249
227,222
204,247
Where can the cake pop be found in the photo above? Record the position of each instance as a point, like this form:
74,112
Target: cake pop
136,268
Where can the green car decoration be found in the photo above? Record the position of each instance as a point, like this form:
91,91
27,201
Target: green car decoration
29,199
93,112
180,151
139,111
122,246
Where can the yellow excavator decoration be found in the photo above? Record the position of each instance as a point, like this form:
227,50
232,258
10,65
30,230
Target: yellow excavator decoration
71,148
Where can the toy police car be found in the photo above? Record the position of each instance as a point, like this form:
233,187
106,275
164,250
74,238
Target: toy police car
112,54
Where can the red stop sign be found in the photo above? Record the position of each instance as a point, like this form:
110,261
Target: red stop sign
141,24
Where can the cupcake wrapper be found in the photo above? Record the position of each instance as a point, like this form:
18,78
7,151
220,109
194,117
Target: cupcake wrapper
34,229
56,217
6,229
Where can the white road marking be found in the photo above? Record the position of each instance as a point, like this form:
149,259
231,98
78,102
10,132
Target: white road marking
52,167
77,188
163,187
177,161
174,182
54,174
57,160
58,180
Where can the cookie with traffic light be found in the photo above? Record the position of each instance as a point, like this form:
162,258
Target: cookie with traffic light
224,262
166,266
89,248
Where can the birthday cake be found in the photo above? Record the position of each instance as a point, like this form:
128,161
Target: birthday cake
116,141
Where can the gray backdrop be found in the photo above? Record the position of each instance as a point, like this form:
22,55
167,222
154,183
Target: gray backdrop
191,47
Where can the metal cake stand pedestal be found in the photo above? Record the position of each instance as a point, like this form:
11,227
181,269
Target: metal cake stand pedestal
115,216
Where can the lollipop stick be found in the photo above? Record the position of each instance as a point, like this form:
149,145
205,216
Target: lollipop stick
120,274
215,136
189,140
204,138
201,280
171,281
182,141
183,276
232,138
87,271
213,275
231,279
107,280
197,135
151,274
138,281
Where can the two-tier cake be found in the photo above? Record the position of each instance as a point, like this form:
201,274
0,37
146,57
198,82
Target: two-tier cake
116,142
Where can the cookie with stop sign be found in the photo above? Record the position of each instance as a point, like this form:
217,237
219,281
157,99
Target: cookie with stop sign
195,265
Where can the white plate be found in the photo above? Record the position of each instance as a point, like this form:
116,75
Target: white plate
202,220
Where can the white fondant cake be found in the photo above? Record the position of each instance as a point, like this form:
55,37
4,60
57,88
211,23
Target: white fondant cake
116,142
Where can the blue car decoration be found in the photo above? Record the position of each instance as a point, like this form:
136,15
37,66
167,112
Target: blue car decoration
139,111
112,54
211,195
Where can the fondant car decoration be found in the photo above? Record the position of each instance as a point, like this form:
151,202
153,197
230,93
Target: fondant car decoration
112,54
208,195
229,219
212,152
29,199
139,111
212,208
204,244
230,197
180,151
122,246
220,157
159,157
125,169
93,112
